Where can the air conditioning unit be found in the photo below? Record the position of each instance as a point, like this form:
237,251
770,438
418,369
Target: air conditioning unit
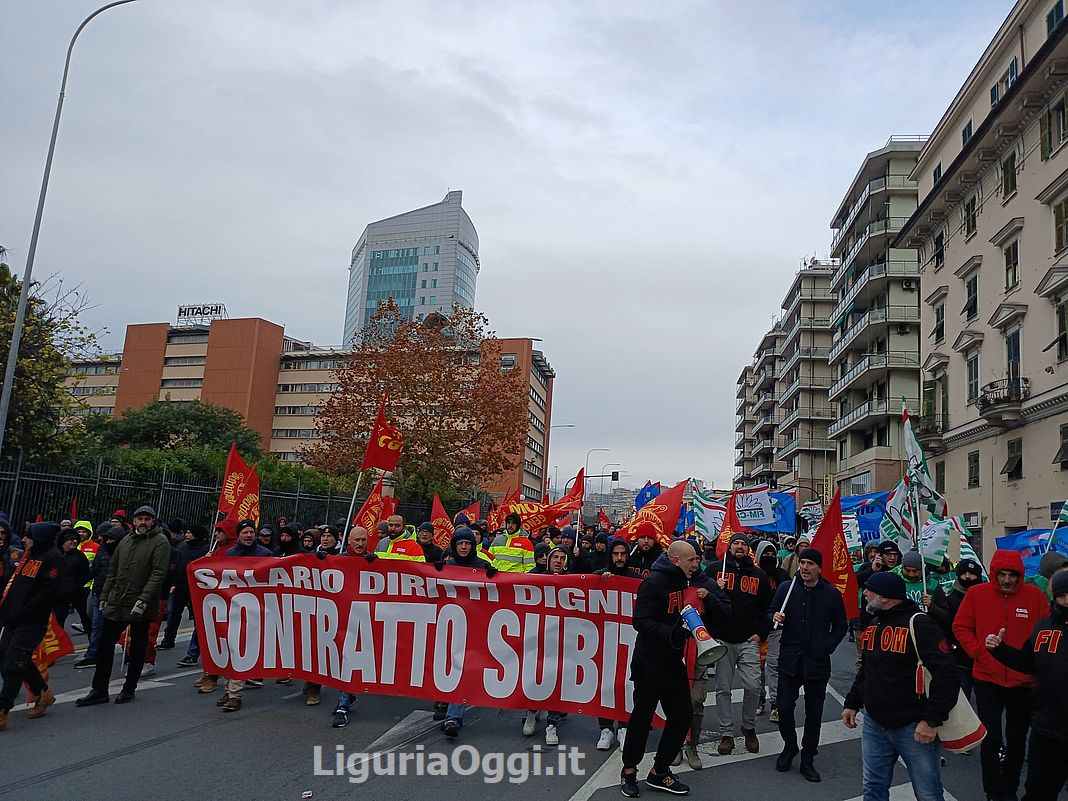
908,286
972,521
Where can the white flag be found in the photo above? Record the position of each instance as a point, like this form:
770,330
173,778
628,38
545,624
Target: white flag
753,505
934,540
708,515
851,527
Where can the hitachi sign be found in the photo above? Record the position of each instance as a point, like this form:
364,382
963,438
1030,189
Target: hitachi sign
201,310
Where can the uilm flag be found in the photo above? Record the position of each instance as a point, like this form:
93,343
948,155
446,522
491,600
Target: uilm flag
439,518
657,517
837,565
371,514
384,446
729,527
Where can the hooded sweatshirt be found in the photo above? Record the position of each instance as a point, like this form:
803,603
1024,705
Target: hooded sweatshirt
986,609
611,568
599,560
35,586
472,560
749,592
657,619
10,553
770,564
641,562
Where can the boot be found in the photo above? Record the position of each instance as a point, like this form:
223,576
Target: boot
693,759
677,760
313,698
232,705
41,704
222,701
208,684
808,770
726,746
752,744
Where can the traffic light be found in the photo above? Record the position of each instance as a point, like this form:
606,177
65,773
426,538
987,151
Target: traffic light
615,475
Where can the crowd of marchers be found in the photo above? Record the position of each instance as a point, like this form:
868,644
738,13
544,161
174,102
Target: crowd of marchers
987,632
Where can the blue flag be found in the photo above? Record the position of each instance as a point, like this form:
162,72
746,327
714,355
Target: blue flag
646,494
869,510
1032,545
784,506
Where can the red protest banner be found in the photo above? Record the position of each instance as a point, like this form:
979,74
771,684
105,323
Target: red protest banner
515,641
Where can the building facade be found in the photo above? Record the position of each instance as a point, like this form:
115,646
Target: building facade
874,352
279,384
745,420
426,260
991,229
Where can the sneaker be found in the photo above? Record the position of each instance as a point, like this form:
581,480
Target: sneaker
530,722
621,735
440,710
551,737
77,628
760,709
774,717
605,743
628,784
668,783
313,699
41,704
341,719
207,684
450,728
254,683
85,662
693,759
187,661
148,670
283,682
165,646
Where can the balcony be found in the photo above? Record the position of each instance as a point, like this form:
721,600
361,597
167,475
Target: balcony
818,353
807,413
884,314
878,407
886,182
884,269
764,400
768,374
808,293
871,362
766,444
740,406
772,467
887,225
768,420
929,429
1000,402
809,323
805,382
804,443
763,354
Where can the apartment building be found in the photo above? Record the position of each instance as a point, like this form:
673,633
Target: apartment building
765,407
804,378
279,384
744,462
991,229
874,354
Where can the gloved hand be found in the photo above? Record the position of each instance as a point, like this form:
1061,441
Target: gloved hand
321,555
491,571
439,565
139,608
371,557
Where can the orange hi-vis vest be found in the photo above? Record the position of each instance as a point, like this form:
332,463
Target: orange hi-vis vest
403,548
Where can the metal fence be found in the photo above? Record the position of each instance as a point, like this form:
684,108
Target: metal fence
57,491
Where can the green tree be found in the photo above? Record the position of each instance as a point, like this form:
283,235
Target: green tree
52,336
172,425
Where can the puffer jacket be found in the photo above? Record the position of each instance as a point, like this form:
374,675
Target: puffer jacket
35,587
137,571
986,609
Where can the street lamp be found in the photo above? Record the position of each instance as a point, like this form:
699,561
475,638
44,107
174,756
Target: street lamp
20,313
610,464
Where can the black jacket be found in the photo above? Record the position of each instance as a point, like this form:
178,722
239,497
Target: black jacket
661,637
187,554
885,685
580,563
36,586
944,608
750,593
74,574
815,624
1045,655
98,570
641,562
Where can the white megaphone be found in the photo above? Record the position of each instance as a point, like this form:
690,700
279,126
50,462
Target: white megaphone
708,648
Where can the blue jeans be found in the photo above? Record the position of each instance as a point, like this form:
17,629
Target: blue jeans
882,746
455,713
193,652
345,701
98,623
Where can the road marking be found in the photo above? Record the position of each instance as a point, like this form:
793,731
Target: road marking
904,792
414,723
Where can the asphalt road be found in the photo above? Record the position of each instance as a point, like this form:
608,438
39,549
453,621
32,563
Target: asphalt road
174,743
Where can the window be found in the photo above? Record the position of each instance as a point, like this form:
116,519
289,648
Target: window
1008,175
972,370
186,339
1062,453
973,469
177,361
1001,88
1062,330
507,361
937,174
966,133
1054,17
1012,355
433,283
995,95
971,293
435,267
1053,126
1013,468
433,300
184,383
437,249
939,250
940,477
96,369
940,322
426,267
422,300
422,284
969,215
1012,265
1060,226
426,251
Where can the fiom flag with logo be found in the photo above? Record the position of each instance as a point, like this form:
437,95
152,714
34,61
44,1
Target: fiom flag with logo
384,446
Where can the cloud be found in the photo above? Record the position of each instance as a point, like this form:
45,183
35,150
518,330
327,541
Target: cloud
644,177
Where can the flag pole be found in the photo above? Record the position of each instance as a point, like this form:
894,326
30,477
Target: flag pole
1053,534
916,541
352,503
786,600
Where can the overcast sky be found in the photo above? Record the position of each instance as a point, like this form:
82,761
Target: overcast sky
644,177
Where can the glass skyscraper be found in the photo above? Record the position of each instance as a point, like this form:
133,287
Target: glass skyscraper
426,260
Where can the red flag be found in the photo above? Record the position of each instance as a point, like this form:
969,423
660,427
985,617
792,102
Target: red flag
537,515
731,526
54,646
371,514
389,506
248,505
235,476
74,510
658,517
603,522
473,512
493,519
442,525
837,566
384,445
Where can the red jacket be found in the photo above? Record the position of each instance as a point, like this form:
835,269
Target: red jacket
986,609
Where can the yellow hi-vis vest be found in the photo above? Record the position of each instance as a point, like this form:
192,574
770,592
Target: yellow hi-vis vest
403,548
515,555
